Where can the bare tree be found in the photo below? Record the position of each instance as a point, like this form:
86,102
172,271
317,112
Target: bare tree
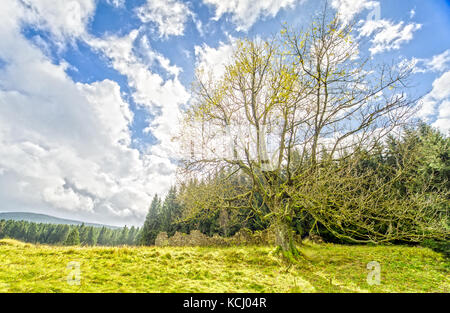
284,109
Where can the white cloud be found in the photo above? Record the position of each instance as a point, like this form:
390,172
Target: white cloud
388,35
348,9
116,3
65,20
170,16
65,147
67,199
212,61
412,13
244,13
435,105
441,87
159,96
443,120
152,57
439,62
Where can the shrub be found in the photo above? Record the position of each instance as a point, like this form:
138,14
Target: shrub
162,239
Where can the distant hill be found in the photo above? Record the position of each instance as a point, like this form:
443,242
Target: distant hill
43,218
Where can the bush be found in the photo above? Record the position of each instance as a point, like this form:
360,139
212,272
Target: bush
162,239
442,246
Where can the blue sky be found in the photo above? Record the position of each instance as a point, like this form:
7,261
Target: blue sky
91,91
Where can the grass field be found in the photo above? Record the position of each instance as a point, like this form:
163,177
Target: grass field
332,268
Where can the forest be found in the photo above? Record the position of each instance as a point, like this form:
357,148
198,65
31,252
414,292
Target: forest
70,235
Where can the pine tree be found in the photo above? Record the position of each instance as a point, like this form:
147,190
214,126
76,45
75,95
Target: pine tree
170,212
131,236
123,236
63,234
73,239
91,238
101,240
83,231
152,223
2,228
32,233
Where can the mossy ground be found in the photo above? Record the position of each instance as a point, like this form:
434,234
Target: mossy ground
332,268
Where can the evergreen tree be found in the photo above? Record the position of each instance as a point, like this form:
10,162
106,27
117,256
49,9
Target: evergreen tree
73,238
32,233
2,228
62,234
152,223
171,211
123,236
83,231
59,234
102,236
131,236
91,238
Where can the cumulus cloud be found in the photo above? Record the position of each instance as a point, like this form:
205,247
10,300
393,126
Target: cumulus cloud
65,20
385,35
443,119
436,104
150,90
65,147
244,13
212,61
388,35
116,3
439,62
169,16
349,9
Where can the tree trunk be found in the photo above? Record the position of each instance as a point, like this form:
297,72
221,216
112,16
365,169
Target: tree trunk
284,239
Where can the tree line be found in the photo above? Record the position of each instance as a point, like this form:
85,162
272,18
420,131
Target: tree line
63,234
173,214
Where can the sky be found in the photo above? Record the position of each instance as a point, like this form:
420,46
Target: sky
91,91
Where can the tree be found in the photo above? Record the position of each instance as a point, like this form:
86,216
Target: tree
102,237
123,236
83,231
32,233
131,236
65,234
224,221
170,212
91,238
152,223
289,108
428,150
73,238
2,228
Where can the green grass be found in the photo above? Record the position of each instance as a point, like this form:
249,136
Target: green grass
332,268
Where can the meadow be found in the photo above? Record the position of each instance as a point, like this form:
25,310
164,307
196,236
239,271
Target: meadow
331,268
